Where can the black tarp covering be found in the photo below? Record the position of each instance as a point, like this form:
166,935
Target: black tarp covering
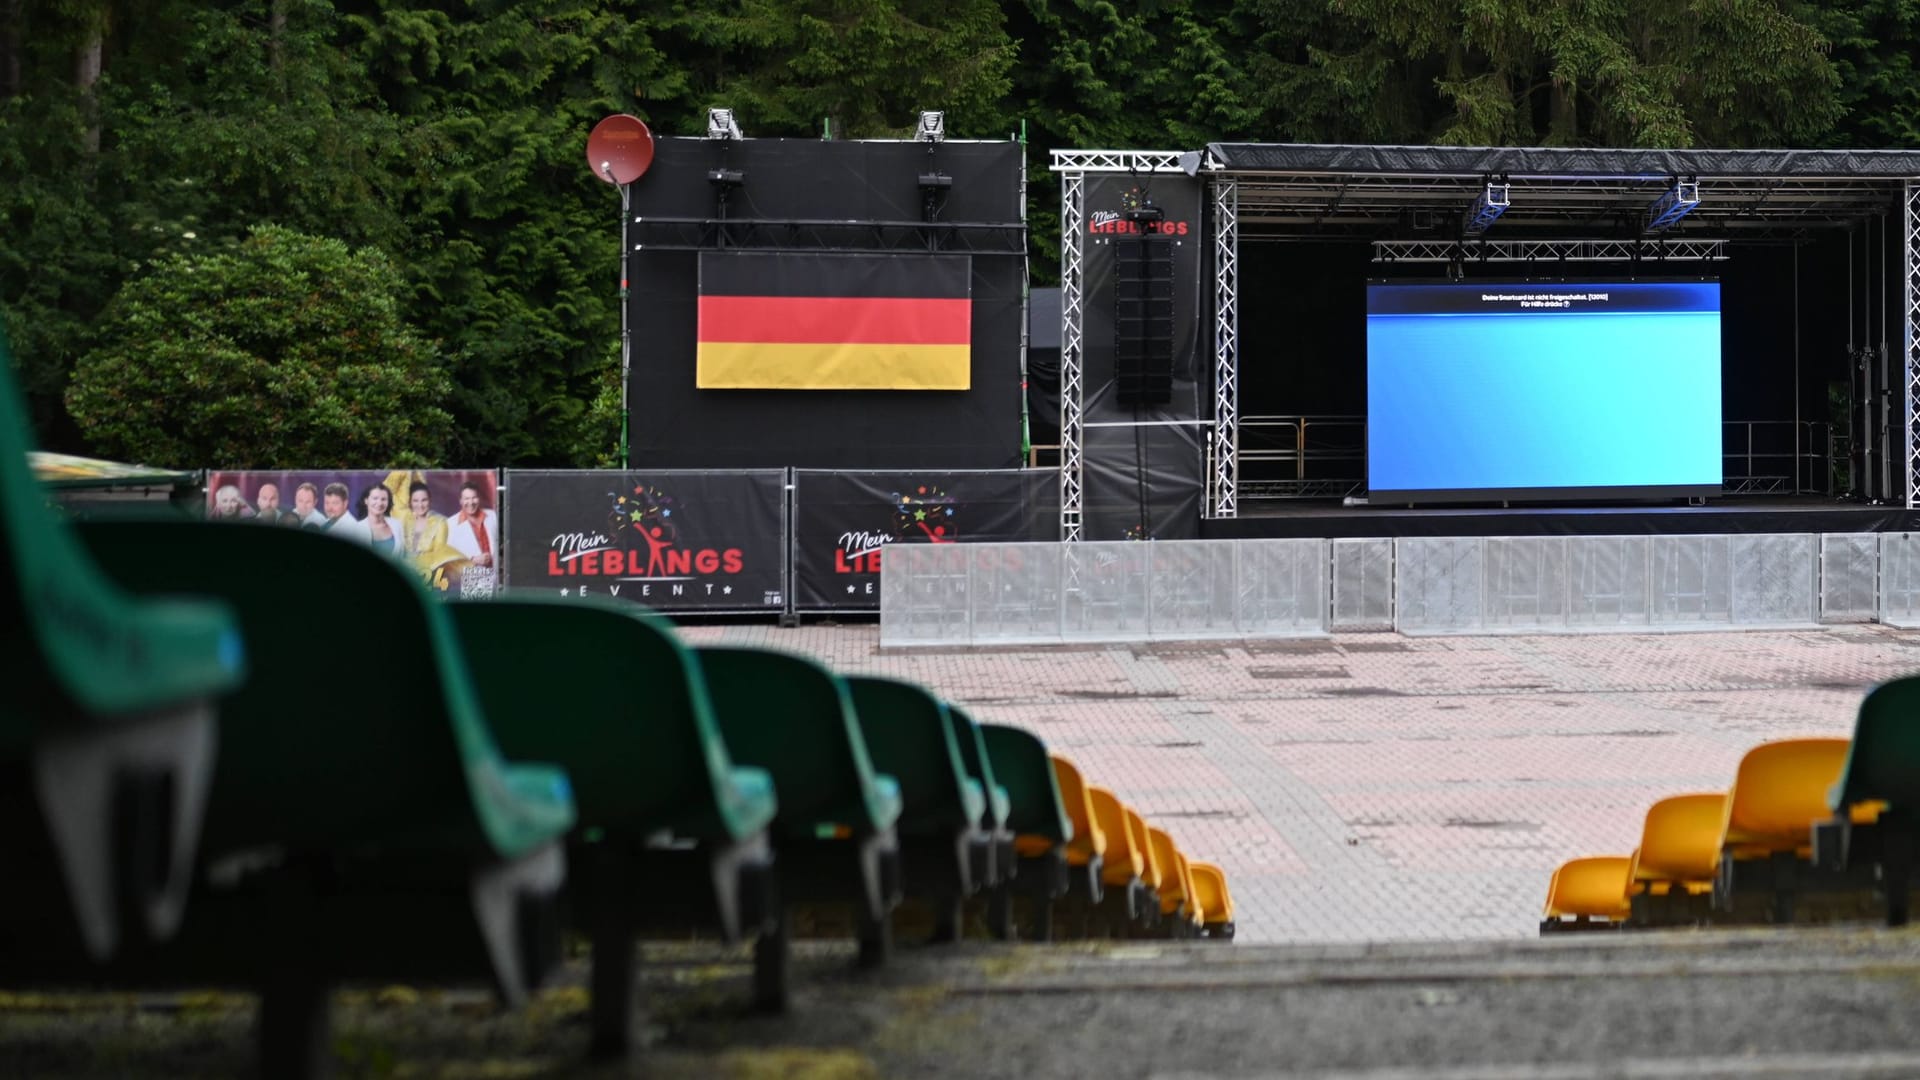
1561,161
853,184
1141,481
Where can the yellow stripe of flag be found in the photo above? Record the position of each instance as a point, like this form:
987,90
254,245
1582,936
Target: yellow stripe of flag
832,366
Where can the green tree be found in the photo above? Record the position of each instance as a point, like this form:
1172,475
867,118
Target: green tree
281,351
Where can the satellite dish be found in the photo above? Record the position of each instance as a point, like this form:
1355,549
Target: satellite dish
619,149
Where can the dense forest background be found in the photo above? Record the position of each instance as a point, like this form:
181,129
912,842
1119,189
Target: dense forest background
360,232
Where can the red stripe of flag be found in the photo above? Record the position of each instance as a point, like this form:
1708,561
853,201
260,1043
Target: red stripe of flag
861,320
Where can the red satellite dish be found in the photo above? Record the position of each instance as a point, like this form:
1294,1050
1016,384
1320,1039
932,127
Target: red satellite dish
619,149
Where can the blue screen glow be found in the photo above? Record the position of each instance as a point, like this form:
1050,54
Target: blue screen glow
1542,390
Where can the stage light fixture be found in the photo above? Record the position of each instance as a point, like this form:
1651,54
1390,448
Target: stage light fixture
1487,208
721,125
932,128
1675,203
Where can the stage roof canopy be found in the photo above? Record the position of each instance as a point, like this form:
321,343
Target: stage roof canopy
1298,191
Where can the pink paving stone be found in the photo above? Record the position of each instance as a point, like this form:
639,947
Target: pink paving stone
1379,787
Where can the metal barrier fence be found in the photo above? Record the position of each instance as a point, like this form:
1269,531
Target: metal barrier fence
1056,593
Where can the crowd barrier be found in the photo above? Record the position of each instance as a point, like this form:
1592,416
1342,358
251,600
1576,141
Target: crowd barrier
1060,593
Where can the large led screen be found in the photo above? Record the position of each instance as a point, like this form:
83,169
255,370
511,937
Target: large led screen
1543,390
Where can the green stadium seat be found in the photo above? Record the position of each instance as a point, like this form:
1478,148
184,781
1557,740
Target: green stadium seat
1882,768
363,824
107,737
834,837
1038,819
911,738
671,834
994,857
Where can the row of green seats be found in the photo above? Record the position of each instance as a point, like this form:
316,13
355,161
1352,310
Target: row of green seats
1814,829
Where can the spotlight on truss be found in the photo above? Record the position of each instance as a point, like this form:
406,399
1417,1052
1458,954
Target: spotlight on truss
720,125
932,128
1675,203
1487,208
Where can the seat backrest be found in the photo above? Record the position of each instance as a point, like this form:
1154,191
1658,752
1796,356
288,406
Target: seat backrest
647,755
1780,790
1142,843
791,716
359,724
1210,887
973,753
910,738
1122,861
1883,762
1681,838
1088,838
72,641
1173,883
1020,764
1594,887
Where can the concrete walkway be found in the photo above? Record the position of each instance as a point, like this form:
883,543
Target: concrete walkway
1374,787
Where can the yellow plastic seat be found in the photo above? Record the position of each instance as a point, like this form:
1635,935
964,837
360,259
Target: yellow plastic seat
1215,902
1122,864
1590,888
1195,919
1142,844
1680,845
1779,793
1088,840
1173,886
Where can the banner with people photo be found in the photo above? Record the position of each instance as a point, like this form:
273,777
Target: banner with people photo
844,520
444,523
675,540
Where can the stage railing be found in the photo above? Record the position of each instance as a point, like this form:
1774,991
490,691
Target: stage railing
1322,457
1023,594
1762,457
1300,457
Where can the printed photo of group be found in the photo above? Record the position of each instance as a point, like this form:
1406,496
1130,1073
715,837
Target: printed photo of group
442,522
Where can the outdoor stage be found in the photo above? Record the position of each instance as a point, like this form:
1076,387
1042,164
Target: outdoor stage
1739,516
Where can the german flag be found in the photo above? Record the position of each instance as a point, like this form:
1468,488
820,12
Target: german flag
791,321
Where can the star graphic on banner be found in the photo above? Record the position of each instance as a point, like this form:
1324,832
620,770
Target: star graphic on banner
563,592
919,515
726,590
849,590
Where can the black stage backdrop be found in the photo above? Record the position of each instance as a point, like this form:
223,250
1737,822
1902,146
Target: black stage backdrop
1142,481
829,187
842,521
673,540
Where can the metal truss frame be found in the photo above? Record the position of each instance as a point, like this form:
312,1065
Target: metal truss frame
1910,331
1070,162
1073,215
1226,347
1541,251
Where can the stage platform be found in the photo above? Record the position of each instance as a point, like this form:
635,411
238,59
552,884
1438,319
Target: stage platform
1273,520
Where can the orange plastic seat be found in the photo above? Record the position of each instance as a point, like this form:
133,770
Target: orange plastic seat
1194,917
1173,883
1088,842
1122,863
1215,902
1680,845
1142,844
1589,888
1778,794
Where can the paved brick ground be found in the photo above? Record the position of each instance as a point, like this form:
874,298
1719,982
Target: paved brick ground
1376,787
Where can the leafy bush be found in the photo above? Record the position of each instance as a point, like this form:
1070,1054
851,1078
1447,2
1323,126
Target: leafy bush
282,351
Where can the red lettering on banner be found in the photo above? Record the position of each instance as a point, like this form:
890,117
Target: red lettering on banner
707,561
732,561
679,562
